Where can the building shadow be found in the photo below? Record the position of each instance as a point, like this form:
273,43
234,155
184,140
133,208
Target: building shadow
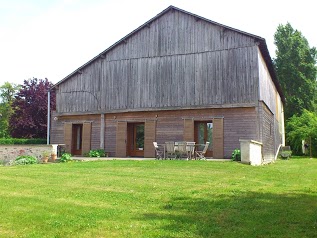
249,214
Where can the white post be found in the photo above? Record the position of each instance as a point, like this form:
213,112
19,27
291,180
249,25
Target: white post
48,115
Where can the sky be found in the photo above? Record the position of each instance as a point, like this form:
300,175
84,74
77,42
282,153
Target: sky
52,38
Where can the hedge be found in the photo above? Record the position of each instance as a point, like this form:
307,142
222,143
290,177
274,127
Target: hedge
18,141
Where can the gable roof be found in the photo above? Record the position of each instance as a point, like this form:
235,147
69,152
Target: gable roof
262,46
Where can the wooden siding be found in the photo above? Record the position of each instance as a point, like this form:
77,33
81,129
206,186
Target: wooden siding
238,123
58,135
176,62
149,138
268,133
86,141
218,138
178,33
81,93
268,92
68,137
121,139
189,130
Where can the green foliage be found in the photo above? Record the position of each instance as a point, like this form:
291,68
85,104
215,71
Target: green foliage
7,93
286,154
66,157
236,155
303,127
18,141
296,69
25,159
97,153
46,153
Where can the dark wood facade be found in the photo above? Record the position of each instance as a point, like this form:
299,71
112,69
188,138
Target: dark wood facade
175,70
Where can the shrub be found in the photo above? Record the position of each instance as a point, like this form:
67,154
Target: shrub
66,157
236,155
19,141
97,153
25,159
286,154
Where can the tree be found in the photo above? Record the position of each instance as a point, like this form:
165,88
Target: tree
296,70
7,93
29,118
303,127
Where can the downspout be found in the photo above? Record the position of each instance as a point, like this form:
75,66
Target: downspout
278,150
48,115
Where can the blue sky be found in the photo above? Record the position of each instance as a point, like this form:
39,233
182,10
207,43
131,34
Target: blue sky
52,38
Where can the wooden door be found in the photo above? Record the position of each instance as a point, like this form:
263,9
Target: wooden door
136,139
77,138
203,134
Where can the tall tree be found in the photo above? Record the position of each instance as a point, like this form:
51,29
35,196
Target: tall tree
29,119
7,93
296,69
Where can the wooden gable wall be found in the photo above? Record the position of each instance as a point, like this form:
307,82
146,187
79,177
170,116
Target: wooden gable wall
176,61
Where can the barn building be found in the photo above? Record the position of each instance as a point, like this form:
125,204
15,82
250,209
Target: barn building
178,77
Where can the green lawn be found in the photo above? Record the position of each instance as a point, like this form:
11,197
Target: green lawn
159,199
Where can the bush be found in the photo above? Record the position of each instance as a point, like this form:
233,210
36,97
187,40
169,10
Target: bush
19,141
97,153
25,159
286,154
236,155
66,157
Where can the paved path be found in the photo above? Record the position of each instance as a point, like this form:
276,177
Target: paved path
129,158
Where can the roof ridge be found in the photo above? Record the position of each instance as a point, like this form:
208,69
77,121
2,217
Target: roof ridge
262,46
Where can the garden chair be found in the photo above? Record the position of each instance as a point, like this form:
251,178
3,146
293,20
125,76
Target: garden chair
201,154
159,151
190,148
170,149
180,149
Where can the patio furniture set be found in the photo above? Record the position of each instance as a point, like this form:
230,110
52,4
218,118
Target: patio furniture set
180,150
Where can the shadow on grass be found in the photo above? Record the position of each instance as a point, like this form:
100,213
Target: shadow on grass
249,214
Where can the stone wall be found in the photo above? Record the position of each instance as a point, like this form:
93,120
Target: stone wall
9,153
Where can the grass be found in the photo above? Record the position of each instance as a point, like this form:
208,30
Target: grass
159,199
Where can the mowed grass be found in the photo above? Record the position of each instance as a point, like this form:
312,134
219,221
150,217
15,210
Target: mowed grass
159,199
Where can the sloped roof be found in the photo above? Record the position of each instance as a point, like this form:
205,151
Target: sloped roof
260,40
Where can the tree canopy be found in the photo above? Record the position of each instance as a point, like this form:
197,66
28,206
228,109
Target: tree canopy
7,93
29,118
296,69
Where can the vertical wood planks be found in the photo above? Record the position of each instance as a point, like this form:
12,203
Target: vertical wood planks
218,138
189,130
121,139
149,138
68,137
86,142
175,62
